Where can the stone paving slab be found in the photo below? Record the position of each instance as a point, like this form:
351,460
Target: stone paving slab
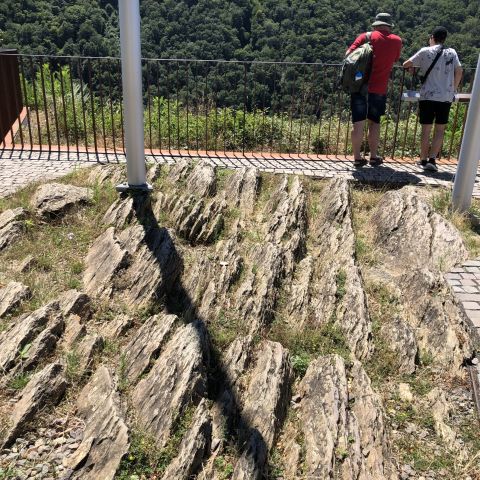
467,290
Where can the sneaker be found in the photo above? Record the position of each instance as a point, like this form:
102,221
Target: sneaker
358,163
375,161
431,166
422,163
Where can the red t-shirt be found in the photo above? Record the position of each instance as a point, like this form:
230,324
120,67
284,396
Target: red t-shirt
386,51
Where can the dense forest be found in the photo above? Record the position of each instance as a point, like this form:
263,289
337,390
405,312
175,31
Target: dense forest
281,30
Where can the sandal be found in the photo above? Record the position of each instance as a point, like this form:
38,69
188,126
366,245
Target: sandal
375,161
360,162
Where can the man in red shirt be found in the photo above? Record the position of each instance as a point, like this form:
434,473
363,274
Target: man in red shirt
372,103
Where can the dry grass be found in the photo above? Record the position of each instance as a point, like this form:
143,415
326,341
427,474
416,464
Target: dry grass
58,248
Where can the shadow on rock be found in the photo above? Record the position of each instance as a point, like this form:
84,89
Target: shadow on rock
385,174
247,439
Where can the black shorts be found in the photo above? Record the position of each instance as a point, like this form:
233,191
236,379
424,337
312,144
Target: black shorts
429,110
372,106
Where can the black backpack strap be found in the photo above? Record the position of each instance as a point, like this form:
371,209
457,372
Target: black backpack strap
427,73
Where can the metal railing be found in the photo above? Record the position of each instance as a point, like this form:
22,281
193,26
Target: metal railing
209,108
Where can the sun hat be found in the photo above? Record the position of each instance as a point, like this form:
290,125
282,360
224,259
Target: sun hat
383,19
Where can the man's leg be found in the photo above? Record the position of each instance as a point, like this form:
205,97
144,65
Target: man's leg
425,141
357,137
376,108
373,138
358,104
438,134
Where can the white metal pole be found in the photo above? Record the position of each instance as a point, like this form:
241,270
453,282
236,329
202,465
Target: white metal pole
469,151
129,13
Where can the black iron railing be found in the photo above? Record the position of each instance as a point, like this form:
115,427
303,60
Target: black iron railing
207,108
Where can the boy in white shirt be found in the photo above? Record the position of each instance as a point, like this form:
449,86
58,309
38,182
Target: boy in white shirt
439,85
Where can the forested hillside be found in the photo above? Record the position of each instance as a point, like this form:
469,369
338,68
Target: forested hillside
297,30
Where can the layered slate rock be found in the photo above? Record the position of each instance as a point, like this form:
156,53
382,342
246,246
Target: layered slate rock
105,439
436,318
117,327
410,232
44,389
53,200
193,448
212,279
265,407
139,265
101,174
86,349
11,296
17,340
177,378
125,209
416,244
73,302
104,260
155,265
198,217
273,261
45,343
400,337
241,189
328,285
341,422
11,226
145,345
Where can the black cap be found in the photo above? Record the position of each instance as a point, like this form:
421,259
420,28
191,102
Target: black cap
439,34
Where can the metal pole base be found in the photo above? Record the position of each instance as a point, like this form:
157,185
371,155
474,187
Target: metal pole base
126,187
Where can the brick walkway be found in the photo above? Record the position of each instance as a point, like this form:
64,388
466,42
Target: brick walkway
19,168
465,282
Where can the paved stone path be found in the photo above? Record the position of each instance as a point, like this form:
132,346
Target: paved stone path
465,282
18,169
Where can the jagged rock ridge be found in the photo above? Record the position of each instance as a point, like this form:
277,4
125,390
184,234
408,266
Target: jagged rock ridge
242,253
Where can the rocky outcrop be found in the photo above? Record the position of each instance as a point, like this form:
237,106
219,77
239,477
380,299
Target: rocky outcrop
411,233
73,302
117,327
193,448
25,332
177,378
328,286
139,265
212,280
105,439
45,343
44,389
124,210
265,408
11,296
341,422
53,200
101,174
415,244
86,349
241,189
273,260
146,344
105,259
400,338
437,321
11,226
154,268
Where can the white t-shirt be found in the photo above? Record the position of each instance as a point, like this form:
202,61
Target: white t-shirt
439,85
